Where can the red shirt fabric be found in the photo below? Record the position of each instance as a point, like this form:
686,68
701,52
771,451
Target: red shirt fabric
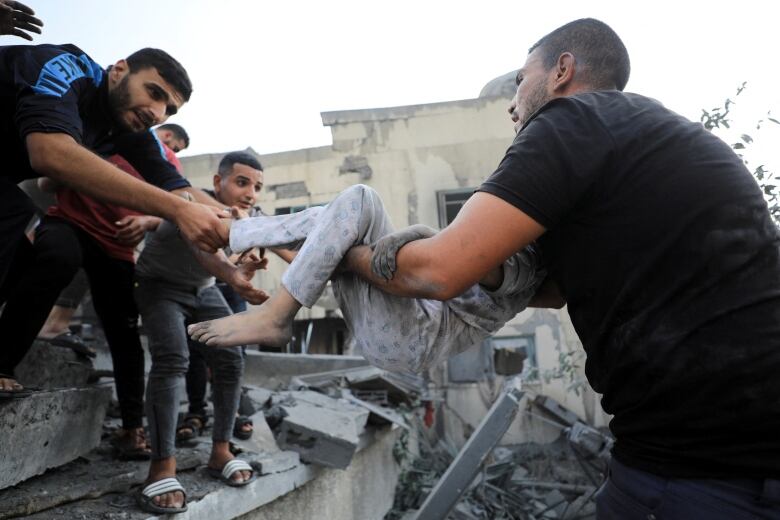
99,218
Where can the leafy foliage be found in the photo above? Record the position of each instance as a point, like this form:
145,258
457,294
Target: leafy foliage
717,119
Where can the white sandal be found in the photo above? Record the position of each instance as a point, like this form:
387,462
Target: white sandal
145,497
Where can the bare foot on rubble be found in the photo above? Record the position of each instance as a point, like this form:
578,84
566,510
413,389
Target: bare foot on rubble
269,324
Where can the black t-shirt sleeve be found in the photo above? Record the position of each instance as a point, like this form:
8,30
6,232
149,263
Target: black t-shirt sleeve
553,163
147,155
49,81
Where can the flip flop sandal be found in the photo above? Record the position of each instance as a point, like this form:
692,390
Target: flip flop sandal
229,469
145,496
73,342
238,432
195,424
14,394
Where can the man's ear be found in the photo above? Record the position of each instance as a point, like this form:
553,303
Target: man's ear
118,71
565,72
217,183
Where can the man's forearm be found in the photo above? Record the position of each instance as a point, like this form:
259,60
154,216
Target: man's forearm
60,157
217,264
198,195
408,283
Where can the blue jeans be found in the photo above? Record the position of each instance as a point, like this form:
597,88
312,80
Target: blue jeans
632,494
166,311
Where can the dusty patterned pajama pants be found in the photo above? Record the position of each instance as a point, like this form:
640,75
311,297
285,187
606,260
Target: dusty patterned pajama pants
393,333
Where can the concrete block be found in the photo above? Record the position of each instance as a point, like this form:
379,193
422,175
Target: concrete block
277,462
356,413
49,429
48,366
320,435
378,415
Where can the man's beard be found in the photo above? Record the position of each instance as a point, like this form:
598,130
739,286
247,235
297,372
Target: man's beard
119,103
535,100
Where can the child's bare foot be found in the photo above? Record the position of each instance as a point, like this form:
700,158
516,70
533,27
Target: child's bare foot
270,324
241,329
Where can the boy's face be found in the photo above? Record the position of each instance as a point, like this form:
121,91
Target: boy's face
240,187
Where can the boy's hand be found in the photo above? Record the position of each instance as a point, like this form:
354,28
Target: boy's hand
132,228
241,281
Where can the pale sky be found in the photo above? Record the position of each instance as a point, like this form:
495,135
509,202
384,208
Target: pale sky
264,70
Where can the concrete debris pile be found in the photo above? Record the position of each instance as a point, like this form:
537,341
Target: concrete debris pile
528,481
326,428
324,415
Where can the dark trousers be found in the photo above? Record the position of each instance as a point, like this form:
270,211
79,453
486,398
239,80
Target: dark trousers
632,494
197,373
16,210
59,250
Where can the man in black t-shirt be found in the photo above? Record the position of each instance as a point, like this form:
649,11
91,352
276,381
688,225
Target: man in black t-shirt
660,241
59,113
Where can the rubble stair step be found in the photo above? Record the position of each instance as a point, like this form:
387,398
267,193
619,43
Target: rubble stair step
48,429
48,366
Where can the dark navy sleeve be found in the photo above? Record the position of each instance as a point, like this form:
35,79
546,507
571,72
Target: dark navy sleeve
553,163
49,82
147,155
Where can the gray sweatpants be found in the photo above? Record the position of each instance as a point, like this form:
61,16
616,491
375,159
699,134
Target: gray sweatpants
166,310
393,333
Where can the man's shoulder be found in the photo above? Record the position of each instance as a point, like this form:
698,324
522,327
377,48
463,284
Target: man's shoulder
51,69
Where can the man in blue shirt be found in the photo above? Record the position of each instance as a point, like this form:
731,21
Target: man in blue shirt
59,113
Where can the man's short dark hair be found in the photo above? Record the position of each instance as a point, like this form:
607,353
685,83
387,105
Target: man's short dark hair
595,46
178,131
245,158
170,70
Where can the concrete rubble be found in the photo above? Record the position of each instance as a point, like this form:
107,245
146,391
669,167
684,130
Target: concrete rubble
321,429
49,429
298,435
527,481
48,366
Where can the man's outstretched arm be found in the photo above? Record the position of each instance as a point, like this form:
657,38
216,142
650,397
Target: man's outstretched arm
60,157
485,233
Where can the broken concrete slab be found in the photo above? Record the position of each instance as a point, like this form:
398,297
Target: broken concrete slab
321,435
357,414
304,492
48,366
49,429
276,462
89,477
378,415
465,467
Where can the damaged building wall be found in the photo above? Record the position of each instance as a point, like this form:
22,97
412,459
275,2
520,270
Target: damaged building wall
411,155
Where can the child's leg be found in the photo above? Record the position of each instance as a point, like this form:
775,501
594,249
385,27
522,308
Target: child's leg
281,231
355,217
